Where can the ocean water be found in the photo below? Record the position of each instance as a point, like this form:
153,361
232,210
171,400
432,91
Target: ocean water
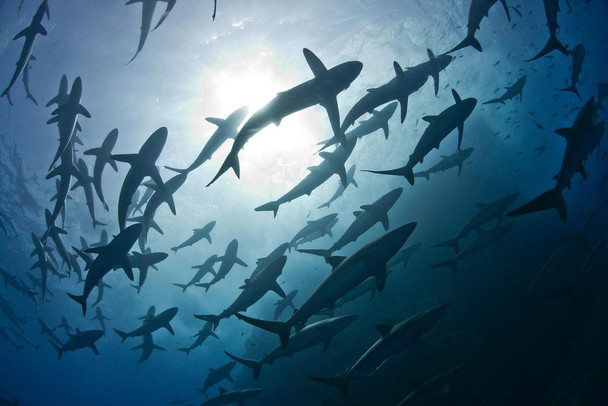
523,337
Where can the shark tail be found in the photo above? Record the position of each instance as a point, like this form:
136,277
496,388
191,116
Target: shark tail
138,287
210,318
204,285
280,328
256,366
98,223
404,171
336,381
324,205
186,350
179,285
452,242
232,161
469,41
495,101
58,348
423,174
572,88
6,93
270,206
177,169
551,199
82,300
551,45
450,263
322,253
174,249
122,334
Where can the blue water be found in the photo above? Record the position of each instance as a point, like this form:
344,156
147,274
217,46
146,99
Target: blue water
520,346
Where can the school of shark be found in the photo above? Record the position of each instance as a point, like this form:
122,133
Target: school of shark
278,203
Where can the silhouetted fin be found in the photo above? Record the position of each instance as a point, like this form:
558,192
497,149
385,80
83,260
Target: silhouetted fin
82,300
337,382
572,88
404,171
279,328
551,45
270,206
255,366
551,199
469,41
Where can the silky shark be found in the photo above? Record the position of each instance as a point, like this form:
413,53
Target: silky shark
403,257
369,260
378,121
394,338
103,156
581,139
399,88
333,163
46,329
43,263
516,89
321,332
100,318
253,290
477,11
486,213
147,12
578,57
142,165
82,339
551,11
26,81
322,89
447,162
113,254
238,396
216,375
226,129
143,262
86,182
161,320
197,235
54,232
229,259
320,226
440,127
24,339
29,33
203,269
262,263
147,347
285,302
66,117
370,214
350,180
201,336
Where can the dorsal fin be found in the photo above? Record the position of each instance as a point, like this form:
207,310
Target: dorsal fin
335,261
456,96
315,64
429,119
384,329
398,70
565,132
357,213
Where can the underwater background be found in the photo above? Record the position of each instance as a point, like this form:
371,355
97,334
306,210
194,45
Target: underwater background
523,337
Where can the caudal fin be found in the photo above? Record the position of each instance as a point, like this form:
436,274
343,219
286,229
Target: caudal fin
270,206
469,41
232,161
336,381
82,300
322,253
186,350
256,366
551,199
176,169
279,328
572,88
404,171
212,318
58,348
551,45
453,242
495,101
122,334
6,93
179,285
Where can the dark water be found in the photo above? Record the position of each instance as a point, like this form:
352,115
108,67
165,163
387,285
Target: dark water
521,344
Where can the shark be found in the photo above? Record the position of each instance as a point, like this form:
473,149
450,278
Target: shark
319,227
144,261
226,129
285,302
551,11
447,162
197,235
103,157
216,375
321,332
147,12
228,260
142,165
322,89
370,214
54,233
26,80
393,338
29,34
8,338
161,320
581,139
85,181
43,263
403,257
203,269
101,319
440,126
147,347
238,396
262,263
46,329
487,212
516,89
201,336
109,256
350,180
26,340
347,273
79,340
65,325
400,88
252,291
477,11
578,57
